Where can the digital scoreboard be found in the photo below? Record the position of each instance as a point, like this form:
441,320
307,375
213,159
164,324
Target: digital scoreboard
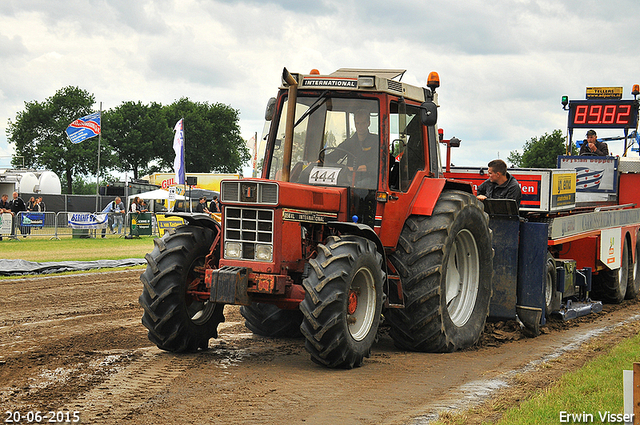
603,113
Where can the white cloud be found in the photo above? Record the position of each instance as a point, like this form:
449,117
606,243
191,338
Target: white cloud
504,66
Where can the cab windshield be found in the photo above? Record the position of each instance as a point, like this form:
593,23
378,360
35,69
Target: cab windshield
336,141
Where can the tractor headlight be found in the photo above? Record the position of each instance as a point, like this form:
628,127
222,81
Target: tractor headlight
233,250
264,252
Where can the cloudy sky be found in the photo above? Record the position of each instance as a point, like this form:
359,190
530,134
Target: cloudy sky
503,64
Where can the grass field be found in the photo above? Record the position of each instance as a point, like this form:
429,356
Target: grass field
595,390
66,249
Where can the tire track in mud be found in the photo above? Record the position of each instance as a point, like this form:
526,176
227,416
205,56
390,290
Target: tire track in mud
131,387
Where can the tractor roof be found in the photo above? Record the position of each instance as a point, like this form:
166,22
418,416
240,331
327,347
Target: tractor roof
361,80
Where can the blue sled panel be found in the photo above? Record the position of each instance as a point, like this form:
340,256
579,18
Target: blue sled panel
532,272
505,267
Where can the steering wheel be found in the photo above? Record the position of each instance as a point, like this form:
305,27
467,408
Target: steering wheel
589,154
322,153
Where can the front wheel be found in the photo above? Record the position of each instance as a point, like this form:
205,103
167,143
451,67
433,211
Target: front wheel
343,301
177,318
445,263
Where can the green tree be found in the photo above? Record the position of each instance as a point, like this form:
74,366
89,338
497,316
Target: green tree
134,131
38,134
540,152
212,138
83,187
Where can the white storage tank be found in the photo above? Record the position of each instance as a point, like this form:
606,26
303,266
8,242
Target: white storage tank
28,183
49,183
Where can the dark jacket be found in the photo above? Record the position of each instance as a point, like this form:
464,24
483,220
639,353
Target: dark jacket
601,149
17,205
507,190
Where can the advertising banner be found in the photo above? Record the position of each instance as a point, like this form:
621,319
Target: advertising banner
87,221
141,224
5,223
32,219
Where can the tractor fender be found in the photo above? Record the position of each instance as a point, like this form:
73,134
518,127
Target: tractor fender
429,192
197,219
364,231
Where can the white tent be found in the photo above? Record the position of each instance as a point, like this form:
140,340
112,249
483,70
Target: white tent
153,195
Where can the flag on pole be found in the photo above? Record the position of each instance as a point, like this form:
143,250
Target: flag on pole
252,145
84,128
178,148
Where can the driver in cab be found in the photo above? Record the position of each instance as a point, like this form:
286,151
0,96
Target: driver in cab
362,147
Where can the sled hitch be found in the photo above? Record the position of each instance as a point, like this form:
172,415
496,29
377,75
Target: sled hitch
228,285
232,285
583,305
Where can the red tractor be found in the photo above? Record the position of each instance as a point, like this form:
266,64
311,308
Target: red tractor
351,221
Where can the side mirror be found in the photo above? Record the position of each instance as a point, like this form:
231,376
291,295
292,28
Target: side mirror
271,108
429,113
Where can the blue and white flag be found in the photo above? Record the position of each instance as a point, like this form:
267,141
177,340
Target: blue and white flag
178,148
84,128
587,178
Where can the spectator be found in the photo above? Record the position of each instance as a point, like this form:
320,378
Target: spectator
17,206
118,215
30,207
4,207
214,206
43,207
202,206
38,205
135,205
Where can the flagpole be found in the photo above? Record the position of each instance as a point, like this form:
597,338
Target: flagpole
184,167
98,170
255,154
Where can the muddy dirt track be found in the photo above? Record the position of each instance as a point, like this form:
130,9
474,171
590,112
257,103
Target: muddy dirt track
75,344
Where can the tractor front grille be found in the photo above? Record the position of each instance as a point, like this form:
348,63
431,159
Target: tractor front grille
248,233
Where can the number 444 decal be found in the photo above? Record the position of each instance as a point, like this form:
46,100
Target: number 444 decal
324,175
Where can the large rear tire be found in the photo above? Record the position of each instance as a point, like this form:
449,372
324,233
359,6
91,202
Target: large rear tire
343,301
176,320
271,321
610,286
445,263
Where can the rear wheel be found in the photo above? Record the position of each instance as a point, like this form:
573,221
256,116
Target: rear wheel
634,273
271,321
611,285
445,264
177,319
552,297
343,301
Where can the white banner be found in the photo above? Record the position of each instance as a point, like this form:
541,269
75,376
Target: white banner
87,221
5,223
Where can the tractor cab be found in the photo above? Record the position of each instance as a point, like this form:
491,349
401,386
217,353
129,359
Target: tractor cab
339,139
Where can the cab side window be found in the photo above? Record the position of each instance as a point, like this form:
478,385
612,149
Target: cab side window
407,145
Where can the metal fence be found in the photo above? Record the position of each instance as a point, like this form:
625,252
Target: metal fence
54,225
